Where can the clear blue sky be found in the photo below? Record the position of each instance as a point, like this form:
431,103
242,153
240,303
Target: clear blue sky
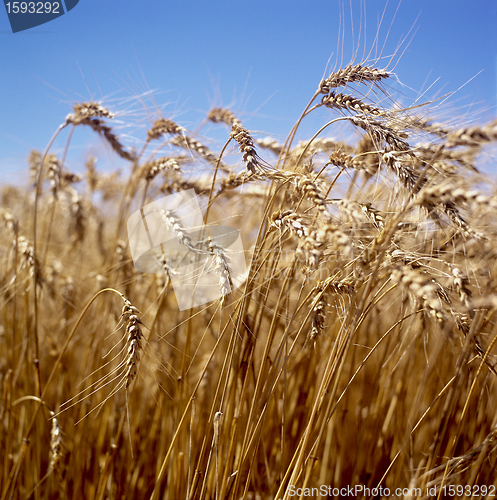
262,58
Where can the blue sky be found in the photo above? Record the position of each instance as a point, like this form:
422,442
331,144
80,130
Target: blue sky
264,59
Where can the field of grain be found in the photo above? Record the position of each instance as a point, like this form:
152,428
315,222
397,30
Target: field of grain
357,353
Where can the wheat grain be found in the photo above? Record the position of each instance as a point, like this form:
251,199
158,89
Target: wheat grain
161,127
344,160
317,319
90,114
56,444
102,129
28,259
218,115
352,73
472,136
190,144
86,110
424,288
77,210
319,240
133,340
358,211
401,163
10,220
173,222
348,102
246,145
35,161
381,132
154,168
54,172
290,220
221,261
310,189
270,144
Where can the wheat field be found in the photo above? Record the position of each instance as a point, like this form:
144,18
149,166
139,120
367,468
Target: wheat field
355,358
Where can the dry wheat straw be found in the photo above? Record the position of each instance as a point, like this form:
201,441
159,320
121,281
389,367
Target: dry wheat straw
374,251
449,473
